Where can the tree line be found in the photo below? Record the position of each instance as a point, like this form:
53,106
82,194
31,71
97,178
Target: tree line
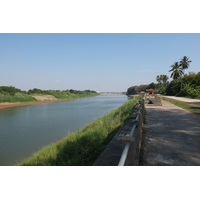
12,94
186,85
11,90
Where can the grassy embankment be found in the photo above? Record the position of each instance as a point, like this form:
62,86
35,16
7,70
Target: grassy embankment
83,147
17,97
74,96
194,108
11,94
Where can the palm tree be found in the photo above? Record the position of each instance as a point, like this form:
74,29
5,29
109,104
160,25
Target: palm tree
176,70
162,79
185,62
165,79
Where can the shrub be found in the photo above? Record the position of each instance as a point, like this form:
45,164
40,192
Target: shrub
174,87
17,97
189,91
161,90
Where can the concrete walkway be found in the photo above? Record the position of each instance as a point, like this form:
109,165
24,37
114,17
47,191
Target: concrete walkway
172,136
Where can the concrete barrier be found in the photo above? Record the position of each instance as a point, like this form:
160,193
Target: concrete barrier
131,142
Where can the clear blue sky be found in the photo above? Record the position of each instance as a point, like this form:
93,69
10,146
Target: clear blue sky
101,62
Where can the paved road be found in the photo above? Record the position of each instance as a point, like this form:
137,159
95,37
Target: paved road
172,136
196,101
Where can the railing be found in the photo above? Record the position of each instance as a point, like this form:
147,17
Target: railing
132,142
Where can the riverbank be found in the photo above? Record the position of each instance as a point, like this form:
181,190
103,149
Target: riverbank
41,99
84,146
8,105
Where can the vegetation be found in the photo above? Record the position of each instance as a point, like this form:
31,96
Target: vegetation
17,97
188,86
139,88
65,94
185,85
179,68
162,79
12,94
185,62
84,146
176,70
194,108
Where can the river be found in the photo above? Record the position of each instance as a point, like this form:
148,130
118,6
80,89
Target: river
25,130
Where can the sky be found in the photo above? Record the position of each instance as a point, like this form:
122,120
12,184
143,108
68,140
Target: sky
106,62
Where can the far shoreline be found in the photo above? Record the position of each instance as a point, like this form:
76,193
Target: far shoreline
16,104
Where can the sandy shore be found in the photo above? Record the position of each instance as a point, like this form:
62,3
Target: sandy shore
8,105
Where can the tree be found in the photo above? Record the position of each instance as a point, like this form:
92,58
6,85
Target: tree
162,79
185,62
192,78
174,87
152,85
177,71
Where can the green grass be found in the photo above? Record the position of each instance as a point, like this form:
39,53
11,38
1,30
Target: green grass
74,96
17,97
83,147
20,97
194,108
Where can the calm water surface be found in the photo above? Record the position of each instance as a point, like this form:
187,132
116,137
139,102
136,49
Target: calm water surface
25,130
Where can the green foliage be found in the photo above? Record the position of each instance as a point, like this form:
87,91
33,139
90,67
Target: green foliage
65,94
162,79
17,97
36,91
174,87
189,91
185,62
9,90
84,146
139,88
12,94
161,90
190,88
179,67
152,86
192,78
177,71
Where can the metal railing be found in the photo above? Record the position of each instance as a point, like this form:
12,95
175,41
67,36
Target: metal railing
132,142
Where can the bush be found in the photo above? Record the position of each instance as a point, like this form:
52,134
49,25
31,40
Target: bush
9,90
161,90
174,87
17,97
189,91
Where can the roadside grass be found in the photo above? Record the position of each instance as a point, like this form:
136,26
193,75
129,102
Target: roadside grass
17,97
194,108
83,147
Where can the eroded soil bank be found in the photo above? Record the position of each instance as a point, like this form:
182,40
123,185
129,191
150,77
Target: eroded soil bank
8,105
